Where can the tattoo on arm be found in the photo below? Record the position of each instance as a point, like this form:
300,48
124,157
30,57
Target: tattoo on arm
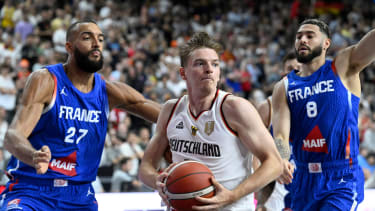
283,150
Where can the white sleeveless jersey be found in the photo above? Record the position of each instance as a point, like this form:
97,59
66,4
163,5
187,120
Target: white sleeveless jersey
208,138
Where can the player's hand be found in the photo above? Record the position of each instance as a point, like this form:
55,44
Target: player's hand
287,175
41,159
160,184
222,197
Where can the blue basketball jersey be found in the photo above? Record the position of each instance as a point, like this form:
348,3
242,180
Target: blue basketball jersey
74,127
324,116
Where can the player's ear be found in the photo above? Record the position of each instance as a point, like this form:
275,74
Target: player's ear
327,43
68,47
182,73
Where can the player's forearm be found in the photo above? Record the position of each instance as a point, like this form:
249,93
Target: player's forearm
283,148
269,170
148,110
19,147
148,175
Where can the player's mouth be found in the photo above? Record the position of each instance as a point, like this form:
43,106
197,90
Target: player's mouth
303,49
207,79
96,53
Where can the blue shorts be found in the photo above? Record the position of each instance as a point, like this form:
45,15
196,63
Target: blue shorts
335,185
56,195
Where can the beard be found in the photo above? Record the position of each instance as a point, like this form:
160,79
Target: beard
84,62
317,51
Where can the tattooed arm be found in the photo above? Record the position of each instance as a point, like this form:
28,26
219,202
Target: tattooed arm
281,128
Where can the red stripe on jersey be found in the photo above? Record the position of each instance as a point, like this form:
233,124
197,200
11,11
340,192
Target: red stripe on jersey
55,88
334,67
223,117
11,185
212,103
347,148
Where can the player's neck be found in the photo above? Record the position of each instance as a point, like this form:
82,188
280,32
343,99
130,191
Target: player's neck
82,80
309,68
200,102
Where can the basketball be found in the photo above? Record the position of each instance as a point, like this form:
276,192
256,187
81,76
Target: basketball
185,181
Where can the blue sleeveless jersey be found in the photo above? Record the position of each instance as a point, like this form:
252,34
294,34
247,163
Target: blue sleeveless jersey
324,117
74,127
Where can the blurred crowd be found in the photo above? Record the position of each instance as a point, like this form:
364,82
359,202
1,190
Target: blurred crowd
142,39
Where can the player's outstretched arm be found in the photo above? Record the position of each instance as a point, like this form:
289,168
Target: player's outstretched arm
38,93
148,170
245,120
124,96
363,53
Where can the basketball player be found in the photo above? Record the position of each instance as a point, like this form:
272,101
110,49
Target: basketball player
58,133
317,109
213,127
271,197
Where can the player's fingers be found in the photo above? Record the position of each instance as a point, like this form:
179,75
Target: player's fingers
164,198
217,185
280,181
291,168
286,179
204,200
45,148
40,160
40,154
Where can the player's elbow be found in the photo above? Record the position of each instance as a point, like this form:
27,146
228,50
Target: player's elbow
8,144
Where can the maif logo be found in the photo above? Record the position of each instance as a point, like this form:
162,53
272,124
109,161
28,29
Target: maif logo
315,142
66,165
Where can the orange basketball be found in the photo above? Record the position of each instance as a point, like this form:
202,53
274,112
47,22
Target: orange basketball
185,181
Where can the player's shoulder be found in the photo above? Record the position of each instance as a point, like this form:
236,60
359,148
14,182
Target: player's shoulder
235,104
171,104
279,88
167,110
39,87
42,76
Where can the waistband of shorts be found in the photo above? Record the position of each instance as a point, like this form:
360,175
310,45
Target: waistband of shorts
56,182
328,165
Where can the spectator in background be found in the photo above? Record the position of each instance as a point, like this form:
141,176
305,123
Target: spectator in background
23,27
6,15
132,150
369,135
8,91
3,127
22,73
174,83
29,50
44,28
123,180
144,135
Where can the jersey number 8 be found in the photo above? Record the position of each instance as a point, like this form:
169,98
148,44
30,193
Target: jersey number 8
311,109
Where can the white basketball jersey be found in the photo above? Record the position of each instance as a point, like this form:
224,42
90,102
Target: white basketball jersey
208,139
